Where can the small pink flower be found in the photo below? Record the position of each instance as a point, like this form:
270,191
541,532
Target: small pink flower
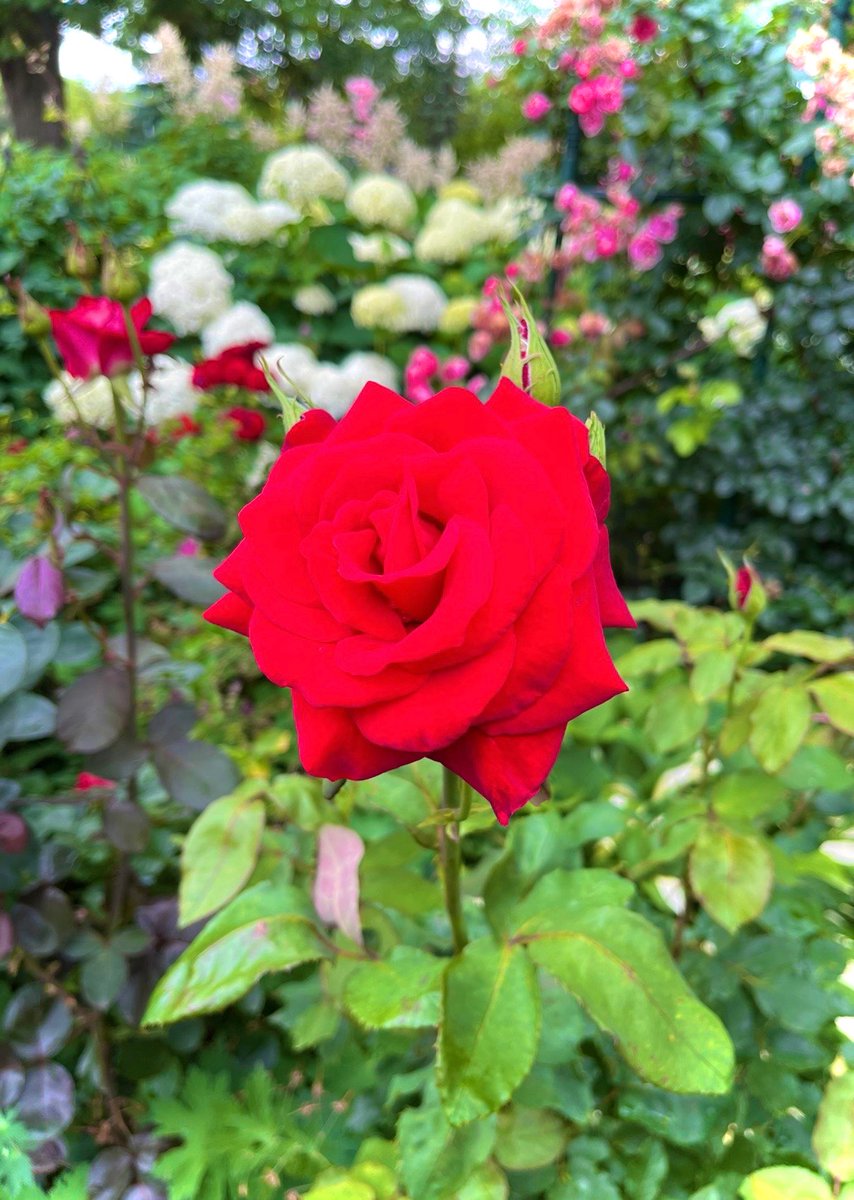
582,98
565,197
785,215
480,344
456,368
520,47
591,123
423,361
643,28
491,285
567,61
608,92
607,241
629,69
419,393
644,251
511,270
777,260
560,338
189,548
836,165
477,383
592,325
536,106
592,25
663,226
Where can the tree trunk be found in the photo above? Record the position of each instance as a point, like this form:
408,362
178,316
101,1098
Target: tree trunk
32,82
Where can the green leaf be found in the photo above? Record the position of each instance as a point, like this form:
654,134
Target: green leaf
486,1183
189,577
835,697
400,992
731,873
779,724
833,1136
617,965
24,717
194,773
436,1158
489,1028
219,854
42,645
267,928
650,658
102,977
560,891
185,505
746,794
713,671
674,719
784,1183
529,1138
804,643
93,711
13,659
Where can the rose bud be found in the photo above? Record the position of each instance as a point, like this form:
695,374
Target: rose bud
32,317
118,279
747,592
39,590
14,834
85,781
529,362
80,260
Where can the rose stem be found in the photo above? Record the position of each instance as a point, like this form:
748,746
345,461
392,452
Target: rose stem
454,797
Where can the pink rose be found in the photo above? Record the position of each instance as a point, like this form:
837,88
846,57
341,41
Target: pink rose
643,28
785,215
663,226
456,368
536,106
644,251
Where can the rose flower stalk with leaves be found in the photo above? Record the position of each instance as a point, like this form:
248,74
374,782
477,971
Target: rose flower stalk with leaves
433,580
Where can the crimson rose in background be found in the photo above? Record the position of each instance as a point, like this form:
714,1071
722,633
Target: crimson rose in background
92,337
431,580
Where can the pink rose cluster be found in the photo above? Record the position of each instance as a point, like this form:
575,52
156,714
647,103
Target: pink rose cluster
778,261
785,215
593,230
425,374
831,68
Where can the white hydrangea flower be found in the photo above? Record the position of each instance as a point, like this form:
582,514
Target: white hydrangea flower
377,307
510,217
332,389
290,364
383,248
81,400
198,207
170,391
249,224
379,199
363,366
189,286
423,302
740,321
452,230
302,174
314,299
237,326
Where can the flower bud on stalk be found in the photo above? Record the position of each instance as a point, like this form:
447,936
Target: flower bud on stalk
118,279
529,362
747,592
81,262
33,318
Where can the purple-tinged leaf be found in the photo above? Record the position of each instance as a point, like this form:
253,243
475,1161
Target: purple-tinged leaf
336,884
39,590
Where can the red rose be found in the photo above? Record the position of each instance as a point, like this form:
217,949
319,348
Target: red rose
235,366
86,780
431,580
250,424
93,339
643,28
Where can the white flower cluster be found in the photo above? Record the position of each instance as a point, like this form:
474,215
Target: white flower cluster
226,212
301,175
170,391
314,300
382,200
741,322
403,304
189,286
237,326
327,385
454,227
381,248
89,401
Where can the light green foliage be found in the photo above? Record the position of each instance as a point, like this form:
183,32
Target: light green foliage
731,874
833,1136
219,854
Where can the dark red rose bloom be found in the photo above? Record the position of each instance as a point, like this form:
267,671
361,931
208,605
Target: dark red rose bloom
431,580
235,366
86,780
643,28
250,424
92,337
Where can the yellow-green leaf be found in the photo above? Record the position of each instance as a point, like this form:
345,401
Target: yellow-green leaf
779,723
835,697
784,1183
731,874
219,854
805,643
833,1136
